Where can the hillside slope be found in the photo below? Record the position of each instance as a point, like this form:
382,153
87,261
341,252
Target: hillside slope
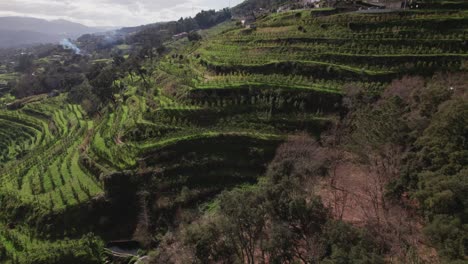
215,142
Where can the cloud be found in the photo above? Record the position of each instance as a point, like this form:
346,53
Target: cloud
110,12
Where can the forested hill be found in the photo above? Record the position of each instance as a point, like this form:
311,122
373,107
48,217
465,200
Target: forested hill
305,136
249,6
24,31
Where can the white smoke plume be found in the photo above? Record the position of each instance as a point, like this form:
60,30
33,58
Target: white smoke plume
66,43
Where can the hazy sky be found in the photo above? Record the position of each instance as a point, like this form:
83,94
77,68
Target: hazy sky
110,12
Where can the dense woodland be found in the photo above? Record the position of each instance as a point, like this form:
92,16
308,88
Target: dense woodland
317,136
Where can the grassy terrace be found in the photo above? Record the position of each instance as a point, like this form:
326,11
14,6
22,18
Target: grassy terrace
291,64
207,135
243,79
40,153
285,76
41,172
8,76
301,52
21,245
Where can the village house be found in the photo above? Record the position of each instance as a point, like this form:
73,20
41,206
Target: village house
260,12
180,36
283,8
299,4
248,20
310,3
56,58
389,4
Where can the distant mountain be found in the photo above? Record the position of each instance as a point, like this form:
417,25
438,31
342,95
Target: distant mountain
21,31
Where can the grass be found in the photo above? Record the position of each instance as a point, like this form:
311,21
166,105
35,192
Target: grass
123,47
22,245
260,85
204,135
50,175
102,61
8,76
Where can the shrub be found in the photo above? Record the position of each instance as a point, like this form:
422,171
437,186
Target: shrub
194,36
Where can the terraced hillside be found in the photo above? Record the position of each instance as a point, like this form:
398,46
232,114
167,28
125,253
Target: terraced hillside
209,118
41,176
330,50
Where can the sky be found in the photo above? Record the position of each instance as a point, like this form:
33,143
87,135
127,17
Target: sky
110,13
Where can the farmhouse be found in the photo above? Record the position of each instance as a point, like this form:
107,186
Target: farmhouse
284,8
180,36
299,4
310,3
248,20
260,12
389,4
